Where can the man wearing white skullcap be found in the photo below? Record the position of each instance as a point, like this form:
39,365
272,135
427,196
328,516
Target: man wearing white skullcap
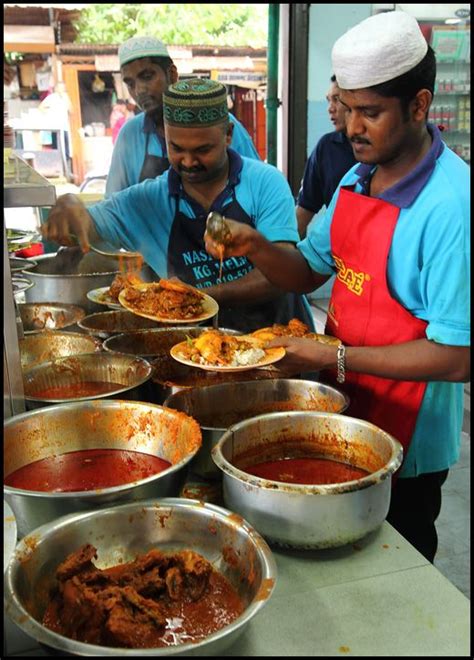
140,150
397,236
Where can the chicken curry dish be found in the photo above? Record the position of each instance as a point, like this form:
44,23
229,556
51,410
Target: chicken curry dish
166,298
214,347
158,600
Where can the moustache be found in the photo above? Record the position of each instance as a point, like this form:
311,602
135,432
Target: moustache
191,170
359,141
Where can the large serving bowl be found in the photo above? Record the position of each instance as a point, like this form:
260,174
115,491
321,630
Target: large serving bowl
69,275
106,324
128,373
49,345
114,424
228,542
217,407
308,516
39,317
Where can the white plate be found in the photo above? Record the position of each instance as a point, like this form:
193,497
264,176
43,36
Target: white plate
271,355
100,297
9,534
210,308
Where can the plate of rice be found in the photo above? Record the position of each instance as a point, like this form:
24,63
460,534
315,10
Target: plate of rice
215,351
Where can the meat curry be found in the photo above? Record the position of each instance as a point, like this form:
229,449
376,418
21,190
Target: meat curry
158,600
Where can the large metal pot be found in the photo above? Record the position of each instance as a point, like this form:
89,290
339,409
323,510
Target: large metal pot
217,407
130,425
129,374
48,345
40,317
233,547
309,516
118,321
67,277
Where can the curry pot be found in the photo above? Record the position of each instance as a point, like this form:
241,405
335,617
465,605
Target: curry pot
68,275
117,424
117,321
41,317
308,516
129,374
169,524
50,344
217,407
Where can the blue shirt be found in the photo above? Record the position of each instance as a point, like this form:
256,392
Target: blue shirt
140,217
331,158
130,150
428,272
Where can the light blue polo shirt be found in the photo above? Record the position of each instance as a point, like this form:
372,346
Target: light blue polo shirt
129,150
428,272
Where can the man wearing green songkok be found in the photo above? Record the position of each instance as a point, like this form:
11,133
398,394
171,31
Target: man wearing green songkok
165,218
140,151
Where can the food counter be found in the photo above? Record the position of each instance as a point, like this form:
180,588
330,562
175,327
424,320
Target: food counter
377,597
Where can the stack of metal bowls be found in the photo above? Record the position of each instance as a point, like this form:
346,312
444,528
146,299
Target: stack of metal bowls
49,345
112,424
217,407
130,375
122,532
308,516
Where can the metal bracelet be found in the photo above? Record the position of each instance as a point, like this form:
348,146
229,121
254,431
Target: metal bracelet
341,363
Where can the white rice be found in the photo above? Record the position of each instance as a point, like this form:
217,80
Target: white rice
247,356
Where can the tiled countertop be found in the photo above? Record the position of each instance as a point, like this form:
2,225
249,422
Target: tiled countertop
378,597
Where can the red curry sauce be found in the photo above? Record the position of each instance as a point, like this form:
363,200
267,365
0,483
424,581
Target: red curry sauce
77,390
312,471
88,469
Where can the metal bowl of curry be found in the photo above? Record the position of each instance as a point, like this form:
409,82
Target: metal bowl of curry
239,559
308,479
38,317
86,376
217,407
107,324
85,455
51,344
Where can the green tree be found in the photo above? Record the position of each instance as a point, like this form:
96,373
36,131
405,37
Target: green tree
176,24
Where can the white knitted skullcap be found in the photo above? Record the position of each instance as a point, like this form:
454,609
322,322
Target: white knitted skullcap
138,47
380,48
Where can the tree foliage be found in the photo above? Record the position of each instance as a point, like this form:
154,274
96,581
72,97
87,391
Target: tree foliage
176,24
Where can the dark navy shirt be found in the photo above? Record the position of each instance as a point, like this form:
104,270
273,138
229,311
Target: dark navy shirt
331,158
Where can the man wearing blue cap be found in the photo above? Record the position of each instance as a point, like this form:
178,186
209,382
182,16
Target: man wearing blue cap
164,218
140,151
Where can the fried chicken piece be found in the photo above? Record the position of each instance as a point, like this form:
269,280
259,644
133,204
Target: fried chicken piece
297,328
132,618
122,281
195,572
77,562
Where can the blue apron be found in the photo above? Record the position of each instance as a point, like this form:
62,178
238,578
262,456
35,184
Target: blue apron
188,260
153,166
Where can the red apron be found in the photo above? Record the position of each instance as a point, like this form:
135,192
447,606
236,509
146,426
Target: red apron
362,311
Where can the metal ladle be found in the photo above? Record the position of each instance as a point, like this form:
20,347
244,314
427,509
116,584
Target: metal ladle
117,254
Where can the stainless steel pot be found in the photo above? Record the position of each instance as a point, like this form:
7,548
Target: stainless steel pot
233,547
309,516
217,407
134,426
68,281
38,317
48,345
130,375
107,324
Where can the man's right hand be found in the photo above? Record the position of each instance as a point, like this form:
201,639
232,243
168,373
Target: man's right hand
69,223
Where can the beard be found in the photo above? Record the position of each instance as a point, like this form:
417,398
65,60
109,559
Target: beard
156,115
